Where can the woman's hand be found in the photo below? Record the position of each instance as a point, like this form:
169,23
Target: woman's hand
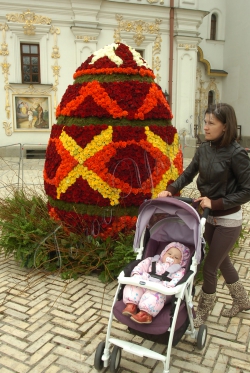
204,202
165,193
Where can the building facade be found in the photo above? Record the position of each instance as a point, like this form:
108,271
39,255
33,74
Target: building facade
197,49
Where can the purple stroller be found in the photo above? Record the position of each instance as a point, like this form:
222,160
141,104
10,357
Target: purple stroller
160,221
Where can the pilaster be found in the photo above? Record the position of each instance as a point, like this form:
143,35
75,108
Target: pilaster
186,37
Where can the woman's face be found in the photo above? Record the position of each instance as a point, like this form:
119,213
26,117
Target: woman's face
213,128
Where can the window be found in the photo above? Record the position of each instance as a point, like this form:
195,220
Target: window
30,63
141,52
210,99
213,27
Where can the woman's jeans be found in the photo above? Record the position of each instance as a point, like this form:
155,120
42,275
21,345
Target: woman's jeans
220,241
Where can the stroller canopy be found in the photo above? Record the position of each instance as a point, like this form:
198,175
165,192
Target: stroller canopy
187,230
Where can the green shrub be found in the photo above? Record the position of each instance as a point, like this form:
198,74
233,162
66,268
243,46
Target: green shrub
23,223
36,241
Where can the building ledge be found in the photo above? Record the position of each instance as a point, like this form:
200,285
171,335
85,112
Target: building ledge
209,71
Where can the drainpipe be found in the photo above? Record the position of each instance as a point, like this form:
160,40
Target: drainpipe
171,47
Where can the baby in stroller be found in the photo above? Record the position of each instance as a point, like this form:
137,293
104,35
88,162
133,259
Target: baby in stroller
161,223
167,268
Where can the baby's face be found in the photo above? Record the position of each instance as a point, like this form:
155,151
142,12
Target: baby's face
174,254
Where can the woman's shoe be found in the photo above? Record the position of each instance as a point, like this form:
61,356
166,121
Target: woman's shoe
241,301
130,309
142,317
205,305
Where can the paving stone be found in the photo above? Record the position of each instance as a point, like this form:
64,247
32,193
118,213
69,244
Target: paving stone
6,361
4,370
13,341
48,325
240,364
70,354
38,307
131,366
37,324
229,344
191,366
45,365
13,352
40,354
39,343
73,366
65,332
13,331
234,370
236,354
15,314
65,323
68,343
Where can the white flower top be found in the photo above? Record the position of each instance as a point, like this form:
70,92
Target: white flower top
109,51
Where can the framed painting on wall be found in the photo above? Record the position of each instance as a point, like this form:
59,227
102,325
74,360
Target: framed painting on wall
31,113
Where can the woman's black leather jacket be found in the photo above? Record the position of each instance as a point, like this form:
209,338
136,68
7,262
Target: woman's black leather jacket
224,176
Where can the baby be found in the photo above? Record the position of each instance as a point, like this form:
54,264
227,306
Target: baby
172,260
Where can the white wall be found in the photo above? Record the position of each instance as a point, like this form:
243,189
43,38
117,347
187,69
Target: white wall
236,88
97,18
93,18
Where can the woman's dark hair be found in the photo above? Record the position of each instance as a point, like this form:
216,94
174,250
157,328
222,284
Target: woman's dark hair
225,113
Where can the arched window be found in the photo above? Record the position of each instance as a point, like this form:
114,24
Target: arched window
210,98
213,27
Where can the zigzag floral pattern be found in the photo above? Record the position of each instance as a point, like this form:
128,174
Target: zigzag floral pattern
153,100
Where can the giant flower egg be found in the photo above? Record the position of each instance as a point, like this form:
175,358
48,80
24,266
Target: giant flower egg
113,145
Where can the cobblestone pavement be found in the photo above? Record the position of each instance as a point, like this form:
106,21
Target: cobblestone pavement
49,325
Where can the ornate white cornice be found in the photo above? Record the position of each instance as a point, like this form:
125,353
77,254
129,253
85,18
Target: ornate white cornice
188,21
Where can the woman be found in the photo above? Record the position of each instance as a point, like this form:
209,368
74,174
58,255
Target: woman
224,184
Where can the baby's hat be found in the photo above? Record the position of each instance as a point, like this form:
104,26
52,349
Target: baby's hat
183,249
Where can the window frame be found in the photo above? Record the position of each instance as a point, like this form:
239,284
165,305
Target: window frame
213,26
22,54
211,94
141,52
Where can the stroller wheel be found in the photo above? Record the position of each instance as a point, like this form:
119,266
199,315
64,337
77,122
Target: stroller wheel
202,337
115,359
98,362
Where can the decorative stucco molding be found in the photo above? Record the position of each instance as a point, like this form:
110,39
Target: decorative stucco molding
4,46
141,30
8,128
30,19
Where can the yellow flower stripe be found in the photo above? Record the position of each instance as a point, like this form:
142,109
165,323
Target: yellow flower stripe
94,181
156,141
81,154
172,174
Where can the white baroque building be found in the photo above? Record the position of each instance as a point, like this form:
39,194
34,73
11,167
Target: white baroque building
198,49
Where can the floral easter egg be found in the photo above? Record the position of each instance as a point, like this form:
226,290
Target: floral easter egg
113,145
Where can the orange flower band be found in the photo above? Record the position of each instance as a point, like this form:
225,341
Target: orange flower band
115,70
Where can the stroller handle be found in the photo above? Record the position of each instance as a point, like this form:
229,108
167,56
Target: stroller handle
206,210
184,199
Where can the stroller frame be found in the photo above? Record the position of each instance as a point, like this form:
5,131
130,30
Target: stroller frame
183,291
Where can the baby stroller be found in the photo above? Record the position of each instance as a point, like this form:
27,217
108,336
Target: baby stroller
160,221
